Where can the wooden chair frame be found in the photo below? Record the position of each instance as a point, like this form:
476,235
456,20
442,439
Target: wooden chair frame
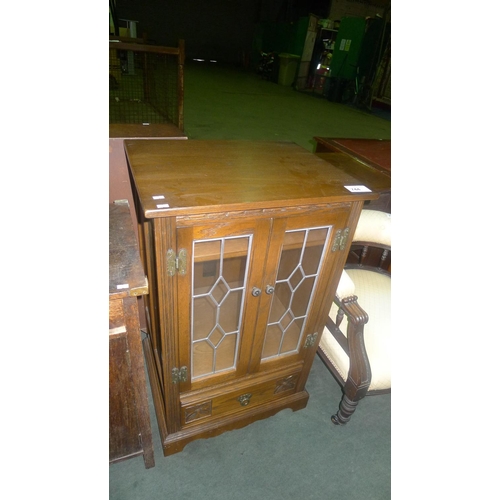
373,257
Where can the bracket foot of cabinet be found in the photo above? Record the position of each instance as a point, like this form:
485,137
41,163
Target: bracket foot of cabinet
206,425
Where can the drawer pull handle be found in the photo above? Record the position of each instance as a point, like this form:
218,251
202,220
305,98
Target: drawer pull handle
244,399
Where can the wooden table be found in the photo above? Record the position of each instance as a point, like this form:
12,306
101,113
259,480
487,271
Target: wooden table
119,178
368,160
373,152
129,422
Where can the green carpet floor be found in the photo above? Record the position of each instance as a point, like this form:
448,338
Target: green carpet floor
227,103
292,455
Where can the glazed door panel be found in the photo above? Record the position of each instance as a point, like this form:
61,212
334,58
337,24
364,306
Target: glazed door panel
224,268
300,247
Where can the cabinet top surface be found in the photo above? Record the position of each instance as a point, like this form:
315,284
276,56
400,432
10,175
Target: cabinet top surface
196,176
126,275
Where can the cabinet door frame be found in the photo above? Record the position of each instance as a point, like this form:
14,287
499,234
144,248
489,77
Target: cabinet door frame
336,218
259,229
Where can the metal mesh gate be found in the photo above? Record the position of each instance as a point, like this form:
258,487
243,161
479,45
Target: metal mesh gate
146,84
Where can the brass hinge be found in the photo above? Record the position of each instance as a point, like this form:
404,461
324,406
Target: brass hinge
343,239
179,375
311,340
340,239
336,241
176,262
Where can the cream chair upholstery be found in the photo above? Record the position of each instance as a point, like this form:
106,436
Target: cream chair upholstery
356,343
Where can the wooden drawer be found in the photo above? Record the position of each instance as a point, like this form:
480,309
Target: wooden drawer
213,404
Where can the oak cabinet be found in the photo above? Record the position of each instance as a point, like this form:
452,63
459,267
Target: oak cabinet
243,244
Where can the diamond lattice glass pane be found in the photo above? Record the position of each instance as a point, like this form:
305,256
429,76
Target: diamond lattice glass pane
272,341
281,300
290,256
230,309
286,320
219,291
302,296
205,275
219,281
235,261
291,337
297,272
296,278
206,265
288,263
313,250
226,353
215,337
204,317
203,358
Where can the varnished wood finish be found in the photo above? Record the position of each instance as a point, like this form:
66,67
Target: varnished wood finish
235,175
368,160
189,191
129,424
373,152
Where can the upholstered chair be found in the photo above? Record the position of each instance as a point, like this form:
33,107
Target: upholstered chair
356,343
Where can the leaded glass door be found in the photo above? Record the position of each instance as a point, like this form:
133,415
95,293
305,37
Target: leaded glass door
216,324
299,250
296,280
219,280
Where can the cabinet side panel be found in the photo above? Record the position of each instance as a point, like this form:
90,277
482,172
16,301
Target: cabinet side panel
151,300
164,240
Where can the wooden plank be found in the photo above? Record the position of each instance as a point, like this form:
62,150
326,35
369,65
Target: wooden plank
126,275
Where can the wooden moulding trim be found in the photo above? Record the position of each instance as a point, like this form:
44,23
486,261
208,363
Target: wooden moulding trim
195,219
274,208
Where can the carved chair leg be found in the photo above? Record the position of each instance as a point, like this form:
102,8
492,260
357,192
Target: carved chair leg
353,394
346,409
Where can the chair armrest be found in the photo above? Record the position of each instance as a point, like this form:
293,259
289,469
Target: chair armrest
359,375
356,315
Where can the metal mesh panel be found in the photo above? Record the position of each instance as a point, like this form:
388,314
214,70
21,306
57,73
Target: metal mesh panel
144,87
